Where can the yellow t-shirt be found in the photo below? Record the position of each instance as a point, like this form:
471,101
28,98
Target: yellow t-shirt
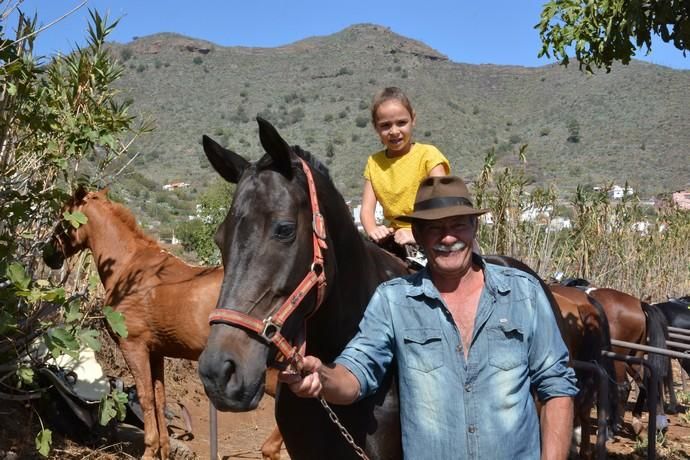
395,180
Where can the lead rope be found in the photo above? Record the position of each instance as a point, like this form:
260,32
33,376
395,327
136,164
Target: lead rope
296,363
346,434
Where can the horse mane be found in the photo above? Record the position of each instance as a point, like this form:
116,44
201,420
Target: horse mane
123,214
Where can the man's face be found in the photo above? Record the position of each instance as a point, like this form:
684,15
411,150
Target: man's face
448,244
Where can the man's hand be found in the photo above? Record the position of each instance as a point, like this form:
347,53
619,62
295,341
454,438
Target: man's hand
308,383
333,382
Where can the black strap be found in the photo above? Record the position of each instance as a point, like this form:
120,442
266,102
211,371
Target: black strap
442,202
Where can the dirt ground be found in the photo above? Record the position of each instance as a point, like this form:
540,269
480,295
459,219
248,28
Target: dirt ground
240,435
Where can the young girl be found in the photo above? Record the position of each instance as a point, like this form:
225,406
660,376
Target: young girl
393,174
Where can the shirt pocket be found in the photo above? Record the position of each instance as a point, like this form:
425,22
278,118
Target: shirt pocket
507,348
423,349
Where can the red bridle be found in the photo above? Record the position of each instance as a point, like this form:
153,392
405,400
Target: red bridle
269,327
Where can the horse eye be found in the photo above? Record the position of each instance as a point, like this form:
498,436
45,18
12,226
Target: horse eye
284,231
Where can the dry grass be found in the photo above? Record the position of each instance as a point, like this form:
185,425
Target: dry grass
603,244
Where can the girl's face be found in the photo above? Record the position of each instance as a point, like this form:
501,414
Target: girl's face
394,125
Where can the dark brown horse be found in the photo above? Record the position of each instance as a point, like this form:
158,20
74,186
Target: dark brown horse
286,240
585,331
165,302
634,321
677,314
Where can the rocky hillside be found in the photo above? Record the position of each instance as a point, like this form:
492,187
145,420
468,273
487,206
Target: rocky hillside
632,124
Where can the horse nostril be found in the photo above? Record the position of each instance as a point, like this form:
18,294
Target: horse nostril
228,369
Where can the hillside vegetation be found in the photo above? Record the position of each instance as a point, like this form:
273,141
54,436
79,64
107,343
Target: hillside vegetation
632,124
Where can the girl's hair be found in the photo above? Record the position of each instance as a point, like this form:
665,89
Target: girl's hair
387,94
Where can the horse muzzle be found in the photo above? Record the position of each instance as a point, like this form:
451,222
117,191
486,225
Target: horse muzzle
233,377
52,256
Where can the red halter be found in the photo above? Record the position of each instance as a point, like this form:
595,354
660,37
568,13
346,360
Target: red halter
269,328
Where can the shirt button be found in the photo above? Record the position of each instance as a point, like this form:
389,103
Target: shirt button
472,429
458,348
468,387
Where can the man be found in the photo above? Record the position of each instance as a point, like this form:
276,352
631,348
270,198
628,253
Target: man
471,342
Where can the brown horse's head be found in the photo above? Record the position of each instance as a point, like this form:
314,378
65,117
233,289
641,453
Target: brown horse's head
267,247
67,239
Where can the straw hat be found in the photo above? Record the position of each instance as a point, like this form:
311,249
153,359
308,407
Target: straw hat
440,197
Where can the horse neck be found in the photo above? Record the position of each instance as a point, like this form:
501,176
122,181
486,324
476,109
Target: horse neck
112,242
359,268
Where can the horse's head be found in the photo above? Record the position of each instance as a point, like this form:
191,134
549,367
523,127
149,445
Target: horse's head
68,237
268,247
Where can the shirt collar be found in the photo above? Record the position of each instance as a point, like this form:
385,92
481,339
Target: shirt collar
496,285
421,283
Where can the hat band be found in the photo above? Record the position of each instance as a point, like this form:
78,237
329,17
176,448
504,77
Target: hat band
442,202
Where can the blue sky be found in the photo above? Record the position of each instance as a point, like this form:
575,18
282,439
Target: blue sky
476,32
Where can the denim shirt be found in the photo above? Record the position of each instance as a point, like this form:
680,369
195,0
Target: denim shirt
456,408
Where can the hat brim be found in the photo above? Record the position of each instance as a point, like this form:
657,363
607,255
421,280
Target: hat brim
442,213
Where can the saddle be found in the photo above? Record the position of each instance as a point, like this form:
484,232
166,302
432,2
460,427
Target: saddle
74,401
411,254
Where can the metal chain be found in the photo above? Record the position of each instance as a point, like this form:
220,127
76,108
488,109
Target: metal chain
346,434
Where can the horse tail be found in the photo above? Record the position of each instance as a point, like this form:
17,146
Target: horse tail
657,334
607,363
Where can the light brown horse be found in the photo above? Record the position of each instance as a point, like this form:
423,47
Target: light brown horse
165,301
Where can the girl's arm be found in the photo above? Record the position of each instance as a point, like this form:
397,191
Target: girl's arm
366,215
438,170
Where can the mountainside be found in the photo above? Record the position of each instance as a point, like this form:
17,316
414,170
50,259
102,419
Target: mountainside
632,124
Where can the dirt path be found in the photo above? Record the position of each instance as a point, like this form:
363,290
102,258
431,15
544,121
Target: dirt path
240,435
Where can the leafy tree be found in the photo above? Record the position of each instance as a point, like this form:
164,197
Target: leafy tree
197,235
603,31
52,118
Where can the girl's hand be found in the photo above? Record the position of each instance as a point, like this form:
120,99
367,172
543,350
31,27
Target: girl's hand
404,236
380,233
308,383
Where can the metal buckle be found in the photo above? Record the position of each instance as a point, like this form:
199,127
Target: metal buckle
319,225
270,329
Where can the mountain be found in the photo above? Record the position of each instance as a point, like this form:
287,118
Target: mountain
632,124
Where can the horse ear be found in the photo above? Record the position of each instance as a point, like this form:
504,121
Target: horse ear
276,147
226,162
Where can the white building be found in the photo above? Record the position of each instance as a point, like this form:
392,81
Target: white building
533,213
641,227
559,223
617,192
174,185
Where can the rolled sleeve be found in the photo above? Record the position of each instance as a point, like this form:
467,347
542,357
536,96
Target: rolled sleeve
370,352
548,355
